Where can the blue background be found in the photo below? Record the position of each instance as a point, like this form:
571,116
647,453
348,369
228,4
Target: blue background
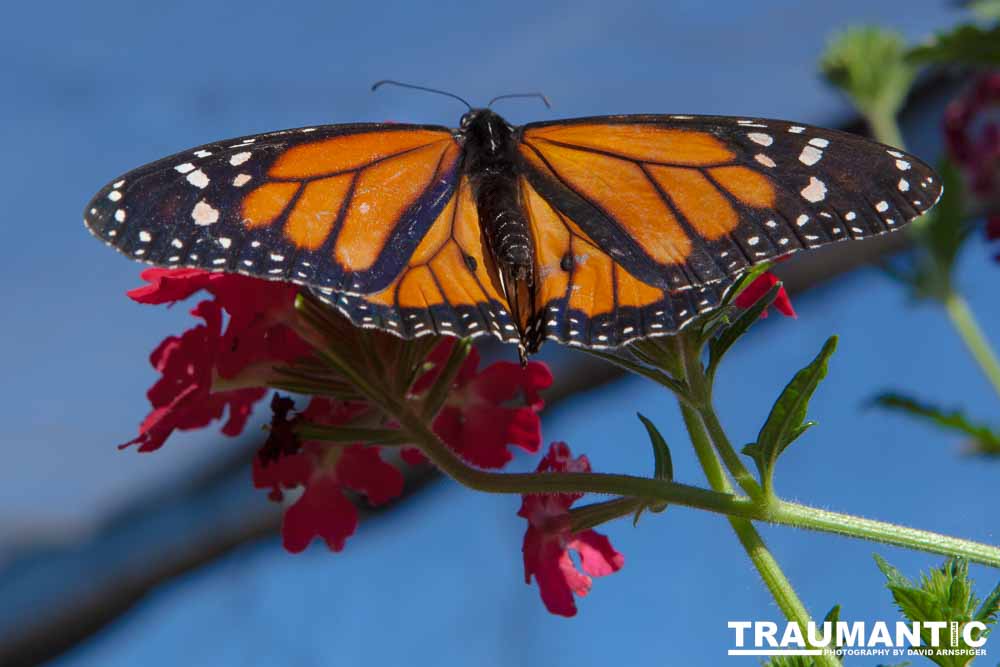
97,88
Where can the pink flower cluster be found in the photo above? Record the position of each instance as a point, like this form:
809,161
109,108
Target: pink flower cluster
972,132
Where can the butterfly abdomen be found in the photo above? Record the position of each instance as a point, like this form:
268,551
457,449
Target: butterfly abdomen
490,164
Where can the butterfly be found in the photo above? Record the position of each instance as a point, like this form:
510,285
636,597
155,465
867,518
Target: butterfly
593,232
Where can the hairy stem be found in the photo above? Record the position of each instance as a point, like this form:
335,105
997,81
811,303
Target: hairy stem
701,388
767,566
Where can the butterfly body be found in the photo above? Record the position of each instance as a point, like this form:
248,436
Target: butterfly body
490,163
592,232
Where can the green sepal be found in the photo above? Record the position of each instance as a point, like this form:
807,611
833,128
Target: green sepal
653,374
438,393
984,439
787,420
967,44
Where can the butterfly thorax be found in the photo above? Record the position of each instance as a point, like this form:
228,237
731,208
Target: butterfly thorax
490,164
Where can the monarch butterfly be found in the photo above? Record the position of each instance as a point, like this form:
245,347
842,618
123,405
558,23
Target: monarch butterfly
592,232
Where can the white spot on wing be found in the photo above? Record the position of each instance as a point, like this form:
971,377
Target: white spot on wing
764,160
114,195
796,129
203,214
202,153
120,215
184,168
819,142
810,155
239,158
198,179
815,191
241,180
761,138
902,165
145,236
225,242
904,185
882,206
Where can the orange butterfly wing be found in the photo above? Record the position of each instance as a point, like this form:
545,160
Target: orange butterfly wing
356,212
447,286
587,299
663,205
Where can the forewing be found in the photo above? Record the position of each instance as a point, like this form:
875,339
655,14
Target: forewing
338,207
686,201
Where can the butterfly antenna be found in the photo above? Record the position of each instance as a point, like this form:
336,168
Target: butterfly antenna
383,82
540,96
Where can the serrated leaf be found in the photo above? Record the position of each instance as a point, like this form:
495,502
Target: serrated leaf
943,594
786,422
868,63
985,439
990,608
967,44
718,347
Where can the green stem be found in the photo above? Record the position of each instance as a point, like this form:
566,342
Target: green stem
886,129
770,571
973,337
675,493
814,518
701,389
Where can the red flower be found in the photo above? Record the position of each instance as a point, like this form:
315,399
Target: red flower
547,542
761,286
325,470
207,370
478,421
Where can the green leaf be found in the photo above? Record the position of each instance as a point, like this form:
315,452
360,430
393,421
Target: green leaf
869,64
984,439
718,347
990,608
663,465
787,420
965,45
943,594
